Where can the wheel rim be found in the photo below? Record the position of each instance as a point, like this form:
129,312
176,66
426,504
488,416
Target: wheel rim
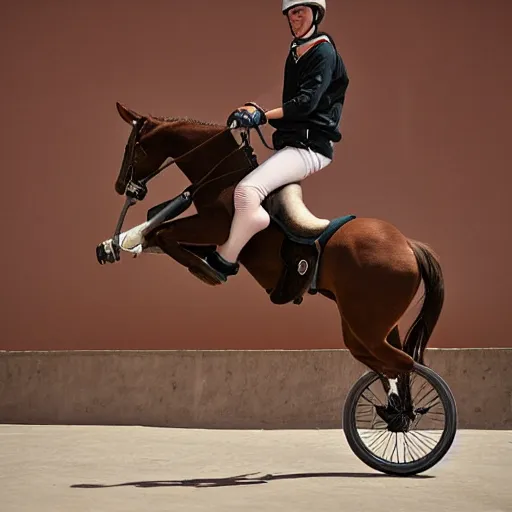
401,429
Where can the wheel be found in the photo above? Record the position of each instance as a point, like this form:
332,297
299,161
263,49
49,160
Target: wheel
402,407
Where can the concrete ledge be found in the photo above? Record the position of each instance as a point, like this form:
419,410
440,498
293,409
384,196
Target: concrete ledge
227,389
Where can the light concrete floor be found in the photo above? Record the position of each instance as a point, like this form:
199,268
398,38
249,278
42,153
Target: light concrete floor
107,469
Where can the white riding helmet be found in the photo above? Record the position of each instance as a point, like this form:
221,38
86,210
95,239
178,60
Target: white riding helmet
288,4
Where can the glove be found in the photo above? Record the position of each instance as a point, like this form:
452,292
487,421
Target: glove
247,118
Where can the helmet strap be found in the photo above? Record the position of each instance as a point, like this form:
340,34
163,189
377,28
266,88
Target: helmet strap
305,38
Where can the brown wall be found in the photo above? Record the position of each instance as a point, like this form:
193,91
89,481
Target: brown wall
426,126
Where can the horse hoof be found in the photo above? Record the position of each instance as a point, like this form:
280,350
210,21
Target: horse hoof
104,254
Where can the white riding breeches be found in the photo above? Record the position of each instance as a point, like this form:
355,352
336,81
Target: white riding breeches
287,165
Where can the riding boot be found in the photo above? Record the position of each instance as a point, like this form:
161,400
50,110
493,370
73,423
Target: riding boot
221,267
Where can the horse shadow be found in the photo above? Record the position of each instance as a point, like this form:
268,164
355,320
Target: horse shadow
245,479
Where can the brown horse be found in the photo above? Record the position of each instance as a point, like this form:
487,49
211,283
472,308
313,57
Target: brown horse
367,266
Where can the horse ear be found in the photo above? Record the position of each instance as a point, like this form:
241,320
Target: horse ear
128,115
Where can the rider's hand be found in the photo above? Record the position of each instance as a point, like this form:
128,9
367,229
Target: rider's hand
247,116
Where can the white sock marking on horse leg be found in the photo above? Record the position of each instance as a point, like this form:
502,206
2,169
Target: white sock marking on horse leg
131,239
393,388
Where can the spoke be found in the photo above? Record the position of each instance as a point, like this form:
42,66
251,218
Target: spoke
434,413
369,416
411,450
377,433
379,436
406,444
368,400
419,417
376,397
419,390
383,440
389,439
417,448
380,423
433,401
418,436
395,448
425,396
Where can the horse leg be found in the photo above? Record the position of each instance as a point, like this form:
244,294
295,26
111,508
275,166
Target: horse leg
358,350
371,308
208,227
362,354
372,331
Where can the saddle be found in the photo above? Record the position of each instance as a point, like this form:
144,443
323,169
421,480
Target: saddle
305,238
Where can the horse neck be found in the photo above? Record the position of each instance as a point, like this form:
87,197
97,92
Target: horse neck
202,159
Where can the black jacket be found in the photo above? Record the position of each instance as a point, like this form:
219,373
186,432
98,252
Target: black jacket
313,96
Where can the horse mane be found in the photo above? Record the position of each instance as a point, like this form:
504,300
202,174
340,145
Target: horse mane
188,120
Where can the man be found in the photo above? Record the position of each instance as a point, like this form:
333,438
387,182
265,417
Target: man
307,126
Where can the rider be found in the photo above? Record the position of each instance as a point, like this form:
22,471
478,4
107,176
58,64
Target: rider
315,81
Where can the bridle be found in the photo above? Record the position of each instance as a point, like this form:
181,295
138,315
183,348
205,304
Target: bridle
136,190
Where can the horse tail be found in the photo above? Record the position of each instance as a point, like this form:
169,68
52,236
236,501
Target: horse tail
418,335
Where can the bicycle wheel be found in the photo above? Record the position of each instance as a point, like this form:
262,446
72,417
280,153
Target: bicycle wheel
395,416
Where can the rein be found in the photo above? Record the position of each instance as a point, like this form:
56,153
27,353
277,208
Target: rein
137,190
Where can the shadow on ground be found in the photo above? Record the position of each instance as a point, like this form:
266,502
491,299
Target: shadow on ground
247,479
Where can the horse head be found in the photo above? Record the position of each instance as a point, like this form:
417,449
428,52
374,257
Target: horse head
154,140
145,151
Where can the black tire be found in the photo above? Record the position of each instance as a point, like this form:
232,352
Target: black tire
407,468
